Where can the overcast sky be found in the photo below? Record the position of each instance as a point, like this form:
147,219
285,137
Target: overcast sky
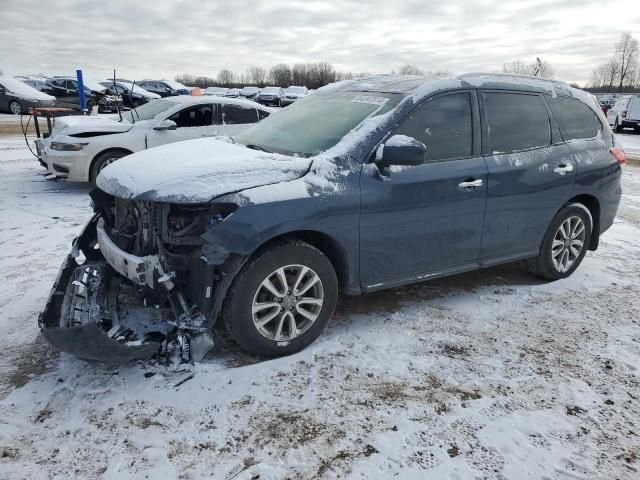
161,38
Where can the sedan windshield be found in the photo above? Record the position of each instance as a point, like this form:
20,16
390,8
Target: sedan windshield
316,122
149,110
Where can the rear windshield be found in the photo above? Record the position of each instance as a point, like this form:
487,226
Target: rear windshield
316,123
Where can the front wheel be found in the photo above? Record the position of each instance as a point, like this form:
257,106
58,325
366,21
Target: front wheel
102,161
15,108
281,300
565,243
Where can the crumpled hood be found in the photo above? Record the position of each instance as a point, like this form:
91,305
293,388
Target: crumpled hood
74,124
196,171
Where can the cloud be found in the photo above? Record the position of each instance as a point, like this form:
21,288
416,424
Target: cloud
163,38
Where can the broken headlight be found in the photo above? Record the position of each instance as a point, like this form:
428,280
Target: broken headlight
191,221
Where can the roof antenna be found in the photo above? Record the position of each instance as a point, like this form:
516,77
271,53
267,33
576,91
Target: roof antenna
133,86
116,94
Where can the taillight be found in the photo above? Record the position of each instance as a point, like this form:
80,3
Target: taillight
624,114
619,154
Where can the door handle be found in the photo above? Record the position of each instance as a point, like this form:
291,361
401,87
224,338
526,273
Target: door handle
563,169
470,184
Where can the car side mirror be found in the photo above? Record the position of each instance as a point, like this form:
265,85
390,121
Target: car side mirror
166,125
401,150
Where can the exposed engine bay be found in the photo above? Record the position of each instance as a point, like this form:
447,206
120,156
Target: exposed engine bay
138,284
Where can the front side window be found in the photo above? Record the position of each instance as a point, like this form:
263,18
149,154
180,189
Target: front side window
444,124
516,122
236,115
200,116
575,119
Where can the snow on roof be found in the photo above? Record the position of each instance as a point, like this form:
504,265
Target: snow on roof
419,86
23,90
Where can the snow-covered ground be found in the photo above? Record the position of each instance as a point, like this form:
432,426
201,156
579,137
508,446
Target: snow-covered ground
491,374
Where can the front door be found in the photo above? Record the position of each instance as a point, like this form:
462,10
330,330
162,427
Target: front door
196,121
531,174
423,221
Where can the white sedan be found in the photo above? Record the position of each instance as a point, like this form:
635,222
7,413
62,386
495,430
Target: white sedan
79,147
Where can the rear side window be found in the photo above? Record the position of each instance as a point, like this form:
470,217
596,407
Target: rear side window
262,114
575,119
516,122
234,114
444,125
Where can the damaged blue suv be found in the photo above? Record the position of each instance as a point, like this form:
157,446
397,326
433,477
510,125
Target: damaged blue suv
364,185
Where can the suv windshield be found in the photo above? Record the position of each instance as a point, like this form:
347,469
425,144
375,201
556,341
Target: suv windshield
149,110
316,123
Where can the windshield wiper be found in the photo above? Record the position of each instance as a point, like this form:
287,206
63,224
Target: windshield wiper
257,147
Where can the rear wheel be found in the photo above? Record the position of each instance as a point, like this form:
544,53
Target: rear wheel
282,300
15,107
103,160
565,243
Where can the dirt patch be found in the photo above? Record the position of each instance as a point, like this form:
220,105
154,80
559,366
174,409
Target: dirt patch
29,361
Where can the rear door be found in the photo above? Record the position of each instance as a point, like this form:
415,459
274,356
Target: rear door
421,221
633,110
195,121
235,118
531,174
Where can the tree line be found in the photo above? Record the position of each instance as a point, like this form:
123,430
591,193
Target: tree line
620,73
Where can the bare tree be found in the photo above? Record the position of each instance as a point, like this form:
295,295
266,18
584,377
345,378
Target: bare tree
226,77
539,68
626,55
280,75
410,70
299,74
186,79
256,75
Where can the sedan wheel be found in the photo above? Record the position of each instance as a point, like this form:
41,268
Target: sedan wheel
15,108
287,302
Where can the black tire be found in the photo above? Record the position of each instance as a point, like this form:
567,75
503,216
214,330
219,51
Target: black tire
103,160
237,309
617,127
15,107
544,265
89,106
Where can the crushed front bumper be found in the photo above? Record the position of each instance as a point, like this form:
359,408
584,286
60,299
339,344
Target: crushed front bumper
81,316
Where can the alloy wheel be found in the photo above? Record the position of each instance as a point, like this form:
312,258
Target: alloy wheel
287,303
568,243
15,108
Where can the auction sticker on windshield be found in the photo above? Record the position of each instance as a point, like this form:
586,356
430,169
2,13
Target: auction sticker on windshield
370,99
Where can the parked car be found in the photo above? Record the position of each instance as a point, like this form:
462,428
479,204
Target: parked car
293,93
270,96
215,91
414,179
36,82
17,97
250,93
131,93
231,93
80,147
625,113
65,90
164,88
